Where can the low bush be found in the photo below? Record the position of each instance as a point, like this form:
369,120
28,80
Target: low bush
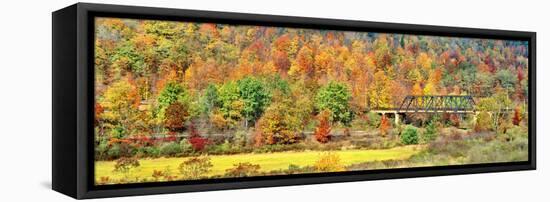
240,138
431,132
186,147
243,170
101,151
195,168
163,175
170,149
114,151
124,165
329,162
198,143
224,148
409,135
148,152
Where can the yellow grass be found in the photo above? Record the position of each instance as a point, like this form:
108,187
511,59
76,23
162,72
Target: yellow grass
267,161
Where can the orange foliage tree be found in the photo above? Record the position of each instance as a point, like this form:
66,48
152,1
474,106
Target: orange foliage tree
322,132
516,120
385,125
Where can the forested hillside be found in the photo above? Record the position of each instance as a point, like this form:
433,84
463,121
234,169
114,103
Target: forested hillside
225,89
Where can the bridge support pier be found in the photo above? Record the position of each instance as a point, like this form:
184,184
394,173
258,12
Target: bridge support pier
396,119
476,114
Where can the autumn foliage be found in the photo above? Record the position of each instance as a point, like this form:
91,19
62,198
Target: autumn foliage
197,142
322,132
516,120
385,125
176,115
187,90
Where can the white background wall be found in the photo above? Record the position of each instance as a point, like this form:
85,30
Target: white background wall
25,99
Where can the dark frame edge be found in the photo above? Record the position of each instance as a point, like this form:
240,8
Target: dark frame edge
532,107
64,155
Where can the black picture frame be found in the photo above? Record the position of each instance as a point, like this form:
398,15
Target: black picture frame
73,98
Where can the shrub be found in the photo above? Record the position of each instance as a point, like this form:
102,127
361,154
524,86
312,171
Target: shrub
124,165
170,149
101,151
226,146
198,143
185,146
223,148
240,138
384,125
409,135
243,170
322,132
152,151
431,132
328,162
114,151
157,174
195,168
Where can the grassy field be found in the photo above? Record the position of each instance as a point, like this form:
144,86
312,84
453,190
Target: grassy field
267,161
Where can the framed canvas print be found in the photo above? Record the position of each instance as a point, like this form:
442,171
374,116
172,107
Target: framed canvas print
154,100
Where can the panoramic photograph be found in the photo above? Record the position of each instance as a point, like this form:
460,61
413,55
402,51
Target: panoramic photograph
184,101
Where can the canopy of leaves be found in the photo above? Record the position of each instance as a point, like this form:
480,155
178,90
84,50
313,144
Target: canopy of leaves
255,97
335,97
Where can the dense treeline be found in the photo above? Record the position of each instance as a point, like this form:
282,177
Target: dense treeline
162,77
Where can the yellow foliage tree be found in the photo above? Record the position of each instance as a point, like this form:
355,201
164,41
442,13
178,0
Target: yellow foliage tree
379,93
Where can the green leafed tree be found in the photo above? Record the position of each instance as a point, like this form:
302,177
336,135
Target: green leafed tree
210,98
255,97
507,79
231,104
335,97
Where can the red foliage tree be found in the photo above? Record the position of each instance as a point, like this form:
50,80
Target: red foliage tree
516,120
322,132
197,142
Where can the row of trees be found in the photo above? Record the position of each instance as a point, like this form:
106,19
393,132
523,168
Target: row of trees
279,110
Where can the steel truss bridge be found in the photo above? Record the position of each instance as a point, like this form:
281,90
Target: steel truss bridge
454,104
